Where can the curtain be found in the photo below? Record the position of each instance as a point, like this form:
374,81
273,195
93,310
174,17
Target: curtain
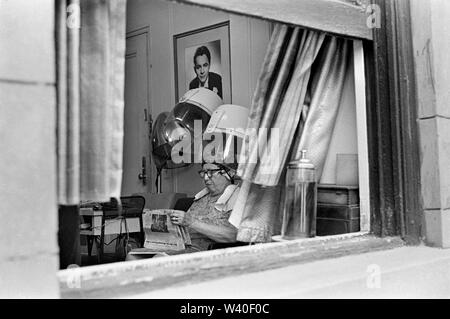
277,101
295,104
319,119
91,62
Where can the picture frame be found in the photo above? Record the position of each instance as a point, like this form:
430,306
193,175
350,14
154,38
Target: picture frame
216,38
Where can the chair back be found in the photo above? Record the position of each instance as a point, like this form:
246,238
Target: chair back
184,203
160,200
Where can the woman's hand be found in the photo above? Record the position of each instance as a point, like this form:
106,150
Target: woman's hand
179,217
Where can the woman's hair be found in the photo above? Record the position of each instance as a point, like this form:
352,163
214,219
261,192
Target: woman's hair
229,170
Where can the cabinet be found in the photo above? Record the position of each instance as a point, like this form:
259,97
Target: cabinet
337,209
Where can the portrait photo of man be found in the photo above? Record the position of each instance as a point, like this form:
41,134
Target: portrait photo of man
202,60
204,76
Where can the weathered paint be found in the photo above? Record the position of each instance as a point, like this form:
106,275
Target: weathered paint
348,18
122,279
393,137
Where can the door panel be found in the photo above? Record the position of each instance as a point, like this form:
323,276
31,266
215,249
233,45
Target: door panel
137,117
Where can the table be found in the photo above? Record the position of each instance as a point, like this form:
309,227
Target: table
115,226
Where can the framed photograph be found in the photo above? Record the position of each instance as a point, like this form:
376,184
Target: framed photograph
202,59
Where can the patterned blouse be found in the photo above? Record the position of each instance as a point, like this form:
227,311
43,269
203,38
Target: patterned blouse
211,209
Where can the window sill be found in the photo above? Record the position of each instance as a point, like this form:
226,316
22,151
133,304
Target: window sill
132,277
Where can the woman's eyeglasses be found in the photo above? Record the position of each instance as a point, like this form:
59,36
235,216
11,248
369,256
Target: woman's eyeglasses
210,172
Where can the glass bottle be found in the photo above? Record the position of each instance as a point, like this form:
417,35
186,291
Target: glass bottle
299,203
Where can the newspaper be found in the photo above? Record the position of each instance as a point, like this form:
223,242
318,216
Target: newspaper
161,234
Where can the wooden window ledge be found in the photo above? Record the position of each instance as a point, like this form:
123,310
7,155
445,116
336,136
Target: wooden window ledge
122,279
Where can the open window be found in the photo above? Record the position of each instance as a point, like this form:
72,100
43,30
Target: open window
152,86
157,74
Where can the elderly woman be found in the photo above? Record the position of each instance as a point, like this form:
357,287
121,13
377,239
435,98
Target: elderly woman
207,218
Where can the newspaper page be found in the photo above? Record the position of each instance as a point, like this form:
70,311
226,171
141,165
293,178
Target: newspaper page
161,234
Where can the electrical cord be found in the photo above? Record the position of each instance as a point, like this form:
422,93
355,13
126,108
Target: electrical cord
110,221
107,244
107,222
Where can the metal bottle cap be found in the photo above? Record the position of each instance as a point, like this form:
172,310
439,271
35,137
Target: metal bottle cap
302,163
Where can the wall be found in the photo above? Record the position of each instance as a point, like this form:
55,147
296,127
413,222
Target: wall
248,43
431,44
28,210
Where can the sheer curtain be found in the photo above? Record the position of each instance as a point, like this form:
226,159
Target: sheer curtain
296,102
90,75
91,61
319,118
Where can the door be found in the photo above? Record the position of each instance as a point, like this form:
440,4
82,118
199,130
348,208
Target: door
137,118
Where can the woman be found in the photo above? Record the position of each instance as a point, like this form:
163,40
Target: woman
207,218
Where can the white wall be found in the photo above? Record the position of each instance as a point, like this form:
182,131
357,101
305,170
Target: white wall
248,43
28,210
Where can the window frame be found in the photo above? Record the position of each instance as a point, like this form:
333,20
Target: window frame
395,209
127,279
